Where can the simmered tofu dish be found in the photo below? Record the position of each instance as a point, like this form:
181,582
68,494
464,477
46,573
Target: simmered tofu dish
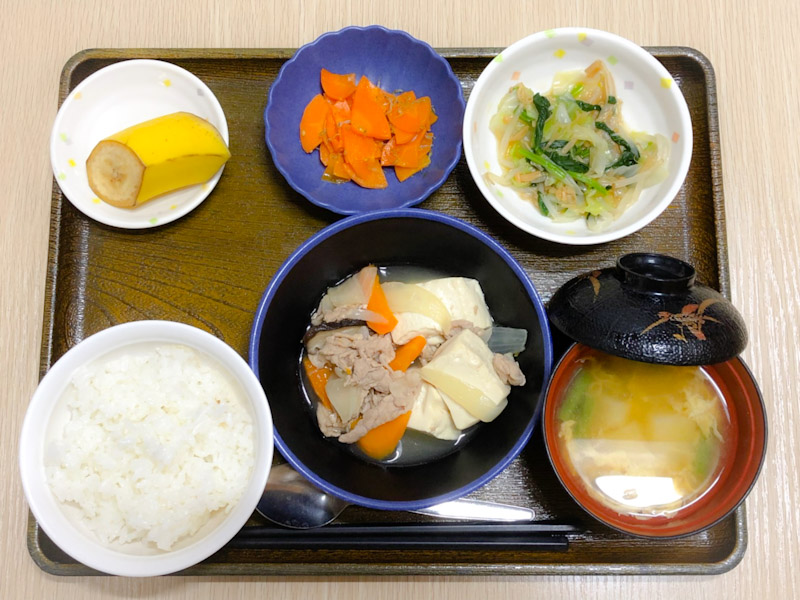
401,365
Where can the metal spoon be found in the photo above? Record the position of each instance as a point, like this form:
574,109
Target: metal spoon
290,500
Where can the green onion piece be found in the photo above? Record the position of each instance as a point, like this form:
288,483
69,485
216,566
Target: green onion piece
576,90
612,100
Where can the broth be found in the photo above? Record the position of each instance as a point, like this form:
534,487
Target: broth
645,440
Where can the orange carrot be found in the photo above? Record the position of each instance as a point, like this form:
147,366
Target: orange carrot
362,155
359,128
411,154
337,169
368,116
408,353
340,111
312,123
411,114
337,86
332,133
381,441
377,303
404,173
318,376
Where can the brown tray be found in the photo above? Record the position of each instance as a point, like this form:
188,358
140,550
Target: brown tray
210,268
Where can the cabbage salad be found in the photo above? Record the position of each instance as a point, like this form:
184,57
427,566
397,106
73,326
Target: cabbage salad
569,151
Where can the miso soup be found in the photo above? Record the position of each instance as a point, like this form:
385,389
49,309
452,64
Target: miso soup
646,440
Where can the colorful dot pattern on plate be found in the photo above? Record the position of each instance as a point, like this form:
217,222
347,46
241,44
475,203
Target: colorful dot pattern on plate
108,101
651,102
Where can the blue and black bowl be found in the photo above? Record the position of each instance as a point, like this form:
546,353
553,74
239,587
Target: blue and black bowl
395,61
392,238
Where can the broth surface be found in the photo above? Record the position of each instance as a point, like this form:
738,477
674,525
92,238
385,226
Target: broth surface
645,440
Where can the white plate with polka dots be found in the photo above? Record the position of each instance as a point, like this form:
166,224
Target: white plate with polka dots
651,102
110,100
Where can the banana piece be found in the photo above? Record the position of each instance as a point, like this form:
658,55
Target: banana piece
153,158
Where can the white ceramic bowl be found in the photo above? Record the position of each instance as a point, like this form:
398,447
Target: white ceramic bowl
110,100
136,559
651,102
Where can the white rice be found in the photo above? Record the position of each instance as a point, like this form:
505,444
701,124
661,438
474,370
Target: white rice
156,441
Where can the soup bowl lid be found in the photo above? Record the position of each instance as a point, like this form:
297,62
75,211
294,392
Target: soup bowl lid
649,307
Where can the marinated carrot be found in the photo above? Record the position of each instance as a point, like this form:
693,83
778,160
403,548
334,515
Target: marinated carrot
318,376
359,129
404,173
369,111
337,86
312,124
407,353
362,154
377,303
381,441
411,114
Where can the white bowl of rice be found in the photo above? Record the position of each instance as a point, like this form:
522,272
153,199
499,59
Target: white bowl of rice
605,98
146,448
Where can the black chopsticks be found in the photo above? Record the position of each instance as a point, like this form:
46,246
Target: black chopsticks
440,536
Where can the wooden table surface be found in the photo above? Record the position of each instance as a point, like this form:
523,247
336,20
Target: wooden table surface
755,52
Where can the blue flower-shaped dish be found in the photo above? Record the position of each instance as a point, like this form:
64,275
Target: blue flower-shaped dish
396,62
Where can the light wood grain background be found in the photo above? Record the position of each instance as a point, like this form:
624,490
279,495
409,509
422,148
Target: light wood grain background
755,51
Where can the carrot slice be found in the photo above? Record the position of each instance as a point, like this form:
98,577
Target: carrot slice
381,441
341,112
362,154
408,353
324,153
368,116
337,170
377,303
337,86
332,133
404,173
411,114
403,137
312,122
412,153
318,376
389,153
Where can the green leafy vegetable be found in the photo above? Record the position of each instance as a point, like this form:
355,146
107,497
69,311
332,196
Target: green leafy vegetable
577,404
629,155
586,107
557,171
542,206
567,162
543,109
612,100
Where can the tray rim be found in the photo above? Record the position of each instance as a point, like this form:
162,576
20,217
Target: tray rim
360,569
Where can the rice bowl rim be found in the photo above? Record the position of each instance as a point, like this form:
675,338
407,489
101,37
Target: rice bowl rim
47,509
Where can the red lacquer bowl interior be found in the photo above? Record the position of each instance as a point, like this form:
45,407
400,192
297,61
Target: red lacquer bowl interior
748,444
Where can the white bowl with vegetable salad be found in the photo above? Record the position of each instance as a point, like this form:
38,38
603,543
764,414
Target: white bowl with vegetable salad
146,448
577,136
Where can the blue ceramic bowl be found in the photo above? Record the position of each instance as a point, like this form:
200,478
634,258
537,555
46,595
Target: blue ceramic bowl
442,243
395,61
